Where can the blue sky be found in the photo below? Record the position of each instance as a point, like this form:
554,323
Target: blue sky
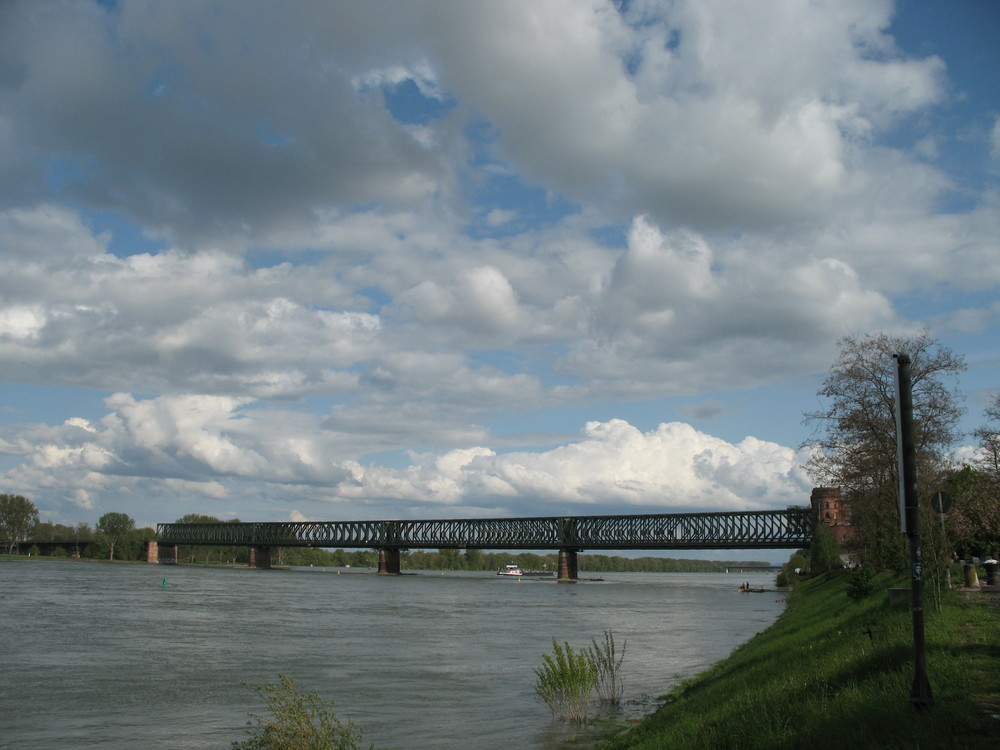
447,259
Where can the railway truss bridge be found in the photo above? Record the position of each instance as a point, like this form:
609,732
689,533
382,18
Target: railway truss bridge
767,529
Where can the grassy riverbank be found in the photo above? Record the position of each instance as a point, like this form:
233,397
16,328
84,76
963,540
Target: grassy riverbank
834,673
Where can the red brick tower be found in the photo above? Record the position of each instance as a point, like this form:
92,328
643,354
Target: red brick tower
830,508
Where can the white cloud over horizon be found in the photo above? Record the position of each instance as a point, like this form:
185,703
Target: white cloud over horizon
444,257
200,446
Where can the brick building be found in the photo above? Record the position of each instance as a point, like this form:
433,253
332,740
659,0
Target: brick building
830,507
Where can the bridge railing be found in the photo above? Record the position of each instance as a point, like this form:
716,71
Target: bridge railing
791,528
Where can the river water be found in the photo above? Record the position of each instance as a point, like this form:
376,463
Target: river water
102,655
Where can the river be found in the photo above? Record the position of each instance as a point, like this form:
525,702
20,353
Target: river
102,655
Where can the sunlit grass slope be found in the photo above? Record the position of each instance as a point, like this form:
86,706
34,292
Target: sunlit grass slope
833,673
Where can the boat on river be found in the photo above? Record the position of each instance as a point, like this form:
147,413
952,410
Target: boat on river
513,570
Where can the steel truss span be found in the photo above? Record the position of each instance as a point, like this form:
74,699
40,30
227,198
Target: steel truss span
773,529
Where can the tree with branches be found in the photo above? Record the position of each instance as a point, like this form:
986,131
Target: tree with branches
113,528
988,459
18,518
974,522
854,440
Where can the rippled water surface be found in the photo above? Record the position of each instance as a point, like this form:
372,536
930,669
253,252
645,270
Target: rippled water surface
101,655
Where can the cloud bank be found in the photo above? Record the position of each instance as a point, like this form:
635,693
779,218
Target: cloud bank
356,259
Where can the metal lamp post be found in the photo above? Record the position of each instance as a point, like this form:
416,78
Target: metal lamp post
920,695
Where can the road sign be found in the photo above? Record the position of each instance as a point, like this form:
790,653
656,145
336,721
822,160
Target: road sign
941,502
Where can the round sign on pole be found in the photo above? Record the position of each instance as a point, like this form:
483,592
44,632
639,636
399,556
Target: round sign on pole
941,502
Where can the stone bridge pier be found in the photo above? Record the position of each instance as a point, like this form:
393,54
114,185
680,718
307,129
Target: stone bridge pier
260,557
569,569
388,561
157,553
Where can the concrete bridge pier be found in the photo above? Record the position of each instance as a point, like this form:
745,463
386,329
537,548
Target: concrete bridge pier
568,567
260,557
388,561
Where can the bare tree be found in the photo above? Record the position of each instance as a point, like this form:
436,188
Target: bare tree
989,440
854,439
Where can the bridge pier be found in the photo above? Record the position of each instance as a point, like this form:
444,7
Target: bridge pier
155,555
260,557
568,567
388,561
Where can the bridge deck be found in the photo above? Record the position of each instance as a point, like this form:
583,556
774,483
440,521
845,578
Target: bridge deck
771,529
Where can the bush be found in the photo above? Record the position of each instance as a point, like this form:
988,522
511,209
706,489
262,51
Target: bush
824,554
566,681
793,592
607,664
297,722
861,584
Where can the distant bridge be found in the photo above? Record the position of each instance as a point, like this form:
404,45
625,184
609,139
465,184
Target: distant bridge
768,529
48,547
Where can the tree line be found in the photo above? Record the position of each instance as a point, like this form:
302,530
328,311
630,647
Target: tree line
853,447
114,537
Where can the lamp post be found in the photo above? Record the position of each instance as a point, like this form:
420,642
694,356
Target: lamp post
920,694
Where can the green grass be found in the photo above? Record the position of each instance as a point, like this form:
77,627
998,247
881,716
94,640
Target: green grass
835,673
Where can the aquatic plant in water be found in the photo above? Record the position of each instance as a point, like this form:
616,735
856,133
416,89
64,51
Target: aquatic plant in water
566,682
608,663
297,722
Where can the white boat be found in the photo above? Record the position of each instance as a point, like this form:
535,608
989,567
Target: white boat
514,570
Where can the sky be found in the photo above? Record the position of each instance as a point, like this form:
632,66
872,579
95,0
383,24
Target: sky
400,260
